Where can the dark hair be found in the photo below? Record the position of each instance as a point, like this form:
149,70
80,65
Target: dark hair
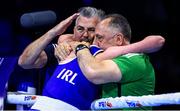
120,23
91,12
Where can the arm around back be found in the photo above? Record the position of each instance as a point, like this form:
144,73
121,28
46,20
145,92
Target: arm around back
149,44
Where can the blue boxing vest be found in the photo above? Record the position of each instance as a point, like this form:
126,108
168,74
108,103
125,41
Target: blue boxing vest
68,84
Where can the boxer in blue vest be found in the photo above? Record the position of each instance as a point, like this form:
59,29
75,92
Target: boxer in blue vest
67,87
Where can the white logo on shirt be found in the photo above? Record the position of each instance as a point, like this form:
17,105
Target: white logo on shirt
67,75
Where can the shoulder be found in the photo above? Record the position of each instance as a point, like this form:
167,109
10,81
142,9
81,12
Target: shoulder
130,59
65,37
133,61
130,55
95,50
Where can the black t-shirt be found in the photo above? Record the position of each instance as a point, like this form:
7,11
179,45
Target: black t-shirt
49,50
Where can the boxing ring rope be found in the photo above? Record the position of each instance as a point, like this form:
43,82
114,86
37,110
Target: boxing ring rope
108,103
21,98
136,101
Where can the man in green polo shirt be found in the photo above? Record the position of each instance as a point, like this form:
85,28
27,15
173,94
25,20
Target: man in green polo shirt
127,75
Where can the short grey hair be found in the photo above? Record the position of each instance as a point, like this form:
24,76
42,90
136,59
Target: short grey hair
90,12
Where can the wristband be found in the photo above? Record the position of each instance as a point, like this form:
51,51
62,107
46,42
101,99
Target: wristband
80,47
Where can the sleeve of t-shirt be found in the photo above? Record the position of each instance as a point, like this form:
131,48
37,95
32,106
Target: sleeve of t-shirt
49,50
132,69
95,50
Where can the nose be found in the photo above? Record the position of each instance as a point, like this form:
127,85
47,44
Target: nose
85,34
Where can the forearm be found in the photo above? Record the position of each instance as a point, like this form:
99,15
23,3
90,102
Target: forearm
88,63
151,44
33,55
33,52
96,71
148,45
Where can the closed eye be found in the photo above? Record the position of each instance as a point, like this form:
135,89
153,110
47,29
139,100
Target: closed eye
91,29
99,36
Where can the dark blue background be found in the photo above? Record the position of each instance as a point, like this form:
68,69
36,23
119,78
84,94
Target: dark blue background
146,17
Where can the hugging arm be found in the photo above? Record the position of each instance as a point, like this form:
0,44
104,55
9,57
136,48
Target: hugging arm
98,71
149,44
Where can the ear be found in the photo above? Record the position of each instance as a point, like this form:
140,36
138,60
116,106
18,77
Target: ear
119,39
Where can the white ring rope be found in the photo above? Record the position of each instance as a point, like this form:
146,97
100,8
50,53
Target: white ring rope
107,103
20,98
136,101
1,103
